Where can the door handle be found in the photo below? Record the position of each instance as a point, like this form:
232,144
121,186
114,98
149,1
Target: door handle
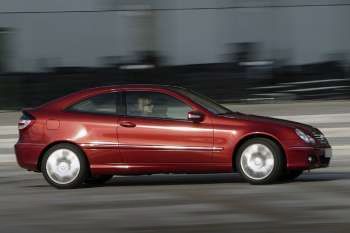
127,124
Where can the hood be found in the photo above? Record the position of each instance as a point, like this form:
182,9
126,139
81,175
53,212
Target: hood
271,120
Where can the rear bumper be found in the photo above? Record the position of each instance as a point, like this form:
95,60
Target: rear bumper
27,155
308,157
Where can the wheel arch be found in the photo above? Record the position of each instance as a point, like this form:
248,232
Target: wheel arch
40,159
252,136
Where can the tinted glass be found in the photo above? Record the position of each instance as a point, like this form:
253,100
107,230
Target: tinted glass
100,104
155,105
204,101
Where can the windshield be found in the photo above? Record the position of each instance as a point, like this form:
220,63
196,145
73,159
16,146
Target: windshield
204,101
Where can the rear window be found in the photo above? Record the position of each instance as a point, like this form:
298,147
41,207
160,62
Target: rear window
99,104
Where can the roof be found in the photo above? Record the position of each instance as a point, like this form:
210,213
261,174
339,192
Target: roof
111,87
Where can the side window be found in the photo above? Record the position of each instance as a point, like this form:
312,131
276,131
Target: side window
156,105
100,104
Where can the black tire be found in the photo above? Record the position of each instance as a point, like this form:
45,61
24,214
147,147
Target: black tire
81,175
277,168
100,179
291,175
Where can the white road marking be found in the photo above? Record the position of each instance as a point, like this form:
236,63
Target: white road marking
256,63
341,147
7,143
319,118
6,130
8,140
268,87
273,94
136,67
5,158
316,88
336,132
316,81
255,99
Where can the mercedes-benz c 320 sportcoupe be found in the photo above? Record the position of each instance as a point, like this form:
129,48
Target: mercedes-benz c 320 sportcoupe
91,135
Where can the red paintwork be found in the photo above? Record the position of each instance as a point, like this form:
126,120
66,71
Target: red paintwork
155,145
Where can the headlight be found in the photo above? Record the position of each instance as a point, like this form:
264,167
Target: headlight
306,138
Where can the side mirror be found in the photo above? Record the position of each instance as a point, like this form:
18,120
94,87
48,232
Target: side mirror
195,117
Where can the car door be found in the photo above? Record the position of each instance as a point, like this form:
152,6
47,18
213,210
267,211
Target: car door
155,130
93,125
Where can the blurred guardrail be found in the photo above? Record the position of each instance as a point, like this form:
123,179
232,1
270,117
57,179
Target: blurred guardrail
224,82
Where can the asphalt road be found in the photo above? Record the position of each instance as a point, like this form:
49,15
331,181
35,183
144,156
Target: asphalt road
316,202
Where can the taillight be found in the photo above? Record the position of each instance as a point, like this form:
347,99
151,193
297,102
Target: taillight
25,121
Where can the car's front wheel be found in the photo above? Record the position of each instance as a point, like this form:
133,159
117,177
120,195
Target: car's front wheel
260,161
64,166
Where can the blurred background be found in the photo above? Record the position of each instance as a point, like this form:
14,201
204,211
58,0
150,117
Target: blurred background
288,59
251,50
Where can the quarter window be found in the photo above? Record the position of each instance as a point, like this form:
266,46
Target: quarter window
155,105
100,104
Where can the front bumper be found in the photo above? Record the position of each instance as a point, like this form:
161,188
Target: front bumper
308,157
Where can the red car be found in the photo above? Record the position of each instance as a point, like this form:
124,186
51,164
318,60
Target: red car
91,135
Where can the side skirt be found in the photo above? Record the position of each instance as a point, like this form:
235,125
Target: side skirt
176,168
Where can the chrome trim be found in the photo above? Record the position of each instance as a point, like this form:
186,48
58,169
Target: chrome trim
99,145
149,147
165,148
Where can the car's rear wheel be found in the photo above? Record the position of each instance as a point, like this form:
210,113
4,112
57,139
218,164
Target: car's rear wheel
260,161
64,166
98,179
